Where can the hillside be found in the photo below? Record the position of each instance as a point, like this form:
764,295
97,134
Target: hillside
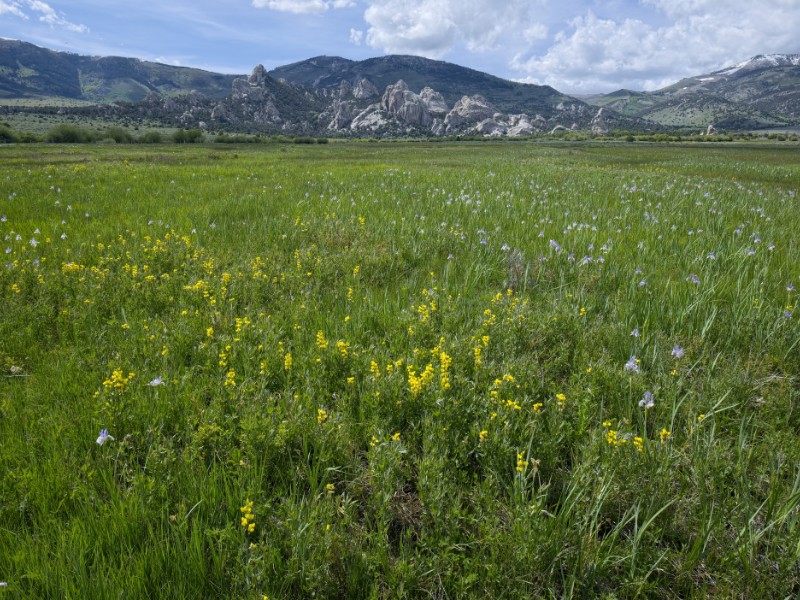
450,80
761,92
28,71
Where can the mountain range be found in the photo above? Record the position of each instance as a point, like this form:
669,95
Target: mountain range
388,96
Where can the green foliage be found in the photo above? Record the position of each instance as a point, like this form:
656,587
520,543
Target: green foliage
151,137
118,134
390,370
7,136
68,134
188,136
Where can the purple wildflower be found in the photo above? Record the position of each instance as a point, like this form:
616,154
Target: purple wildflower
104,437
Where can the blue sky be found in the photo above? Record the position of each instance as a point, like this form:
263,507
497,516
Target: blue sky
577,46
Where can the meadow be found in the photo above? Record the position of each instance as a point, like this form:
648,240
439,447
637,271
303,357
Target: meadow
400,370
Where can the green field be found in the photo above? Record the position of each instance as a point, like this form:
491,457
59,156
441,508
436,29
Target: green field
400,370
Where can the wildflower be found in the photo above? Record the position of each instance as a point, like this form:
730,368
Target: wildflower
537,408
643,283
632,365
330,488
635,332
638,443
522,464
700,417
104,437
611,438
230,379
287,362
647,401
322,415
322,343
157,381
664,435
396,437
561,399
607,423
711,256
677,352
693,279
483,436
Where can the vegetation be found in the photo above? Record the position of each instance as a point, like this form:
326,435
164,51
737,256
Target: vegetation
400,370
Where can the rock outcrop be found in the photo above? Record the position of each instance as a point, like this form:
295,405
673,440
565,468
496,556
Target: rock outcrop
468,110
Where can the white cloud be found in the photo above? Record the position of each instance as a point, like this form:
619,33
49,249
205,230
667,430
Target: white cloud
699,36
434,27
47,14
12,8
302,6
52,18
356,36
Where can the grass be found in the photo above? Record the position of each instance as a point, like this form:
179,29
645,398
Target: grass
399,370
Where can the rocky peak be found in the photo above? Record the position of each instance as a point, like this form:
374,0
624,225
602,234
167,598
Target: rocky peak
364,89
258,77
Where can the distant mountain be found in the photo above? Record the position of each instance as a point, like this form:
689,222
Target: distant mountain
761,92
452,81
28,71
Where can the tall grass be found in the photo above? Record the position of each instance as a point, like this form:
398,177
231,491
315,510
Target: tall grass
426,367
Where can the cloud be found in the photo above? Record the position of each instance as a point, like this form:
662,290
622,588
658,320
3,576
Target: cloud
356,36
698,36
302,6
12,8
432,28
46,14
52,18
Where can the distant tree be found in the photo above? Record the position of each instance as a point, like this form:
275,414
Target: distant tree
68,134
7,136
188,136
118,134
151,137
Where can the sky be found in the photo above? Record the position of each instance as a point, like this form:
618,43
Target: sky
576,46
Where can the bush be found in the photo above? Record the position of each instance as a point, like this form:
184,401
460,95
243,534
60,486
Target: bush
119,135
188,136
6,135
151,137
68,134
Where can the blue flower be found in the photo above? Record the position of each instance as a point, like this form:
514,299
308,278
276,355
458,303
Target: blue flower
647,401
156,381
632,365
677,352
104,437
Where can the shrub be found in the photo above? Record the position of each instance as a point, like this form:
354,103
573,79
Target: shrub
68,134
151,137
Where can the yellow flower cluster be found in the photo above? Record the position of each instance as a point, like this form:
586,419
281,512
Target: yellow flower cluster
322,415
118,381
230,379
445,361
417,383
664,435
343,348
248,518
322,343
522,464
561,399
483,436
638,443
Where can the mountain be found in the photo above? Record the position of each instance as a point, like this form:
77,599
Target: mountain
452,81
28,71
761,92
